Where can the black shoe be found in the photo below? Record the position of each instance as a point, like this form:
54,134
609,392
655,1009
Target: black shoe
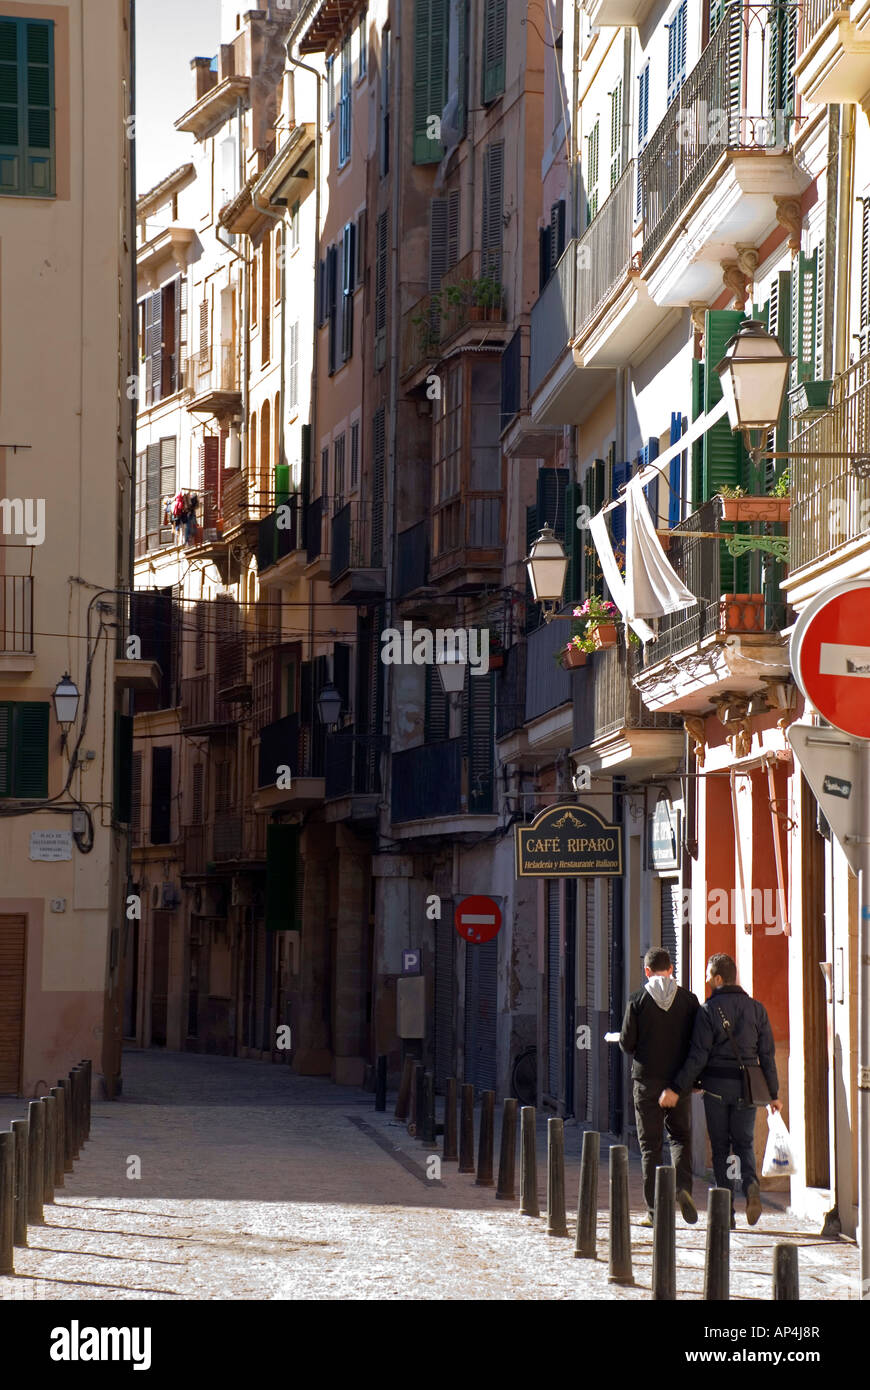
687,1206
753,1204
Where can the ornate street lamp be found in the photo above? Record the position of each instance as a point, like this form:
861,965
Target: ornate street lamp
329,706
452,666
66,701
547,565
753,374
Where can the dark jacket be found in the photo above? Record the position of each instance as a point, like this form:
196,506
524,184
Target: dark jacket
711,1058
658,1038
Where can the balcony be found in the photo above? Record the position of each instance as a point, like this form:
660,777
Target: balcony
830,502
611,14
288,743
16,623
241,514
835,51
467,545
555,384
213,378
356,572
548,688
214,106
280,542
452,316
202,710
610,724
510,699
353,776
412,559
316,518
434,794
731,639
713,173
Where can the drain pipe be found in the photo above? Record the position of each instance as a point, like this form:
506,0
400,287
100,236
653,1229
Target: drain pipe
846,164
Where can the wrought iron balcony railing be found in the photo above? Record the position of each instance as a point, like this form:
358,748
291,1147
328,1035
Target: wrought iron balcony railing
510,691
16,613
201,706
290,743
357,538
435,780
830,497
553,316
604,252
606,701
353,764
412,558
280,533
548,685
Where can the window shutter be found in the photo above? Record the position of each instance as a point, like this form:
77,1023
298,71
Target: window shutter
573,544
348,266
27,137
437,241
462,63
136,798
153,498
123,784
545,259
803,319
478,729
379,456
436,719
724,456
282,878
430,75
533,610
675,473
677,51
494,47
30,750
782,52
161,796
717,9
453,206
551,485
864,299
819,327
615,134
698,446
380,314
6,750
492,211
354,455
203,333
619,476
360,273
332,303
650,452
293,365
197,803
557,232
167,468
154,345
209,479
592,140
341,673
180,332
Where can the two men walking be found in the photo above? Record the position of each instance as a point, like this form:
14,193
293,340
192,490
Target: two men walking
725,1034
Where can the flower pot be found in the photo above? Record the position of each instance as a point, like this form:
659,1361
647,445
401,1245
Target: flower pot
476,313
604,635
493,313
755,508
741,612
572,656
496,660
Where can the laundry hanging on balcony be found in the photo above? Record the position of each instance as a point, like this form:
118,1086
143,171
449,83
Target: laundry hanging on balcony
653,586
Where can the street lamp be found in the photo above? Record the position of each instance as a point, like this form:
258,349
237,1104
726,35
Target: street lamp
547,565
451,668
66,702
329,706
753,375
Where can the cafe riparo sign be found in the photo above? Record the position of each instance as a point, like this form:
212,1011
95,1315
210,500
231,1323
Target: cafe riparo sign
568,842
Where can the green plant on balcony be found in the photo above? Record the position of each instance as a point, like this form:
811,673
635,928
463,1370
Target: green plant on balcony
730,492
487,293
781,487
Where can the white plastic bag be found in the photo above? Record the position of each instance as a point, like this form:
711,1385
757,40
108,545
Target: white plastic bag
778,1157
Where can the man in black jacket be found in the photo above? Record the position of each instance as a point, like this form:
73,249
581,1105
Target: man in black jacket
657,1029
712,1063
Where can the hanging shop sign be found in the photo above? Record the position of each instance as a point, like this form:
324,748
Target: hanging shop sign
568,842
663,837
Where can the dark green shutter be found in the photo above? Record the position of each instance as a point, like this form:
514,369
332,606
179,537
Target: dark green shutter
803,317
724,456
123,785
492,211
494,48
430,75
436,720
478,730
5,750
341,674
462,29
698,446
573,544
30,750
379,464
282,484
533,610
282,878
552,483
27,141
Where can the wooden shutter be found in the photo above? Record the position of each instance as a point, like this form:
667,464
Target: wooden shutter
153,499
266,297
592,143
379,457
545,256
803,317
864,297
167,468
551,485
332,304
136,798
675,473
437,241
380,314
615,134
208,480
13,955
348,267
619,476
30,750
153,346
533,610
123,768
478,729
494,48
436,718
462,64
430,75
180,354
161,796
6,749
341,673
557,232
27,137
677,52
492,210
819,327
453,207
573,544
724,454
361,248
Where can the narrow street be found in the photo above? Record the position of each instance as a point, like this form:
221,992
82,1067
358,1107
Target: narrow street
259,1184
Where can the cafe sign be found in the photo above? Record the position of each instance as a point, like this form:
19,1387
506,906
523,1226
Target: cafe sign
568,842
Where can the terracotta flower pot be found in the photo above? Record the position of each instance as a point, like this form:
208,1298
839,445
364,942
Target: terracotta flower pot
496,660
476,313
741,612
756,509
604,635
572,656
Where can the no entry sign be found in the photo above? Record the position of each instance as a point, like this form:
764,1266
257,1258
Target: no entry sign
830,655
477,919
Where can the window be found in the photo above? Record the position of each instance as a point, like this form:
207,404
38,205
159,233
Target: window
348,284
592,140
165,337
615,134
379,460
642,121
447,461
294,226
330,88
27,103
264,489
362,66
332,305
354,456
338,472
677,51
197,810
279,263
494,45
344,108
266,280
380,315
255,271
430,77
385,103
443,236
24,749
293,366
155,481
492,228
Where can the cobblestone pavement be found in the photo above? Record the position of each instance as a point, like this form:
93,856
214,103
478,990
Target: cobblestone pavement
258,1184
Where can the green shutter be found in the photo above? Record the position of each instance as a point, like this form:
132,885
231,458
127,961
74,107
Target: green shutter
27,158
494,48
436,720
698,446
533,611
122,796
462,58
478,731
30,750
430,75
282,484
724,455
282,878
552,483
803,317
573,544
5,750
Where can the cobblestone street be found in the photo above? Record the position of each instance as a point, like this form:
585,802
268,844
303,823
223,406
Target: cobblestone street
258,1184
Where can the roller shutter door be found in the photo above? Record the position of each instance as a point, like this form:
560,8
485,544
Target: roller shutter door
480,1014
445,963
590,989
570,1045
12,956
553,956
670,897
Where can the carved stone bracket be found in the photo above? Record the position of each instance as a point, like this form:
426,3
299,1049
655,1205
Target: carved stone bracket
694,727
697,311
789,215
747,259
736,282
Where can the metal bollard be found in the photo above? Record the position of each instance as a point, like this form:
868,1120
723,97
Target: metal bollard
414,1097
556,1223
64,1085
49,1148
21,1130
35,1162
716,1257
620,1271
507,1154
664,1261
381,1083
449,1152
7,1201
403,1099
528,1163
89,1081
587,1200
75,1106
485,1146
59,1121
785,1272
428,1135
466,1129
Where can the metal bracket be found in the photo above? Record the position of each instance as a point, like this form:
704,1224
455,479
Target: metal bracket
770,545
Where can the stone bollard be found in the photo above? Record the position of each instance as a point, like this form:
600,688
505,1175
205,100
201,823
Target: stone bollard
428,1108
413,1096
87,1070
64,1086
785,1272
7,1201
620,1271
664,1261
76,1106
716,1258
381,1084
587,1200
556,1223
35,1162
49,1148
528,1163
466,1130
59,1124
403,1099
507,1154
21,1130
485,1146
449,1153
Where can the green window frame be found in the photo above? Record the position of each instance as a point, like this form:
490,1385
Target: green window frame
494,49
27,114
24,750
430,77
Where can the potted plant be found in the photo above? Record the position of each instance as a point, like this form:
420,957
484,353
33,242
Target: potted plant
487,295
600,617
496,649
737,506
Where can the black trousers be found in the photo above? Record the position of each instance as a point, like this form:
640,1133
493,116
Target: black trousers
652,1121
731,1126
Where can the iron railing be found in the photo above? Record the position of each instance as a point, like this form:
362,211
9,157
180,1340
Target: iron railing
412,558
280,746
353,763
280,533
314,514
603,254
548,684
16,613
355,538
552,319
830,497
437,317
815,14
200,705
513,397
237,505
510,691
606,701
427,781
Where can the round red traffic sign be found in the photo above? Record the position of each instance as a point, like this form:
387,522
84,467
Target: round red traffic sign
477,919
830,655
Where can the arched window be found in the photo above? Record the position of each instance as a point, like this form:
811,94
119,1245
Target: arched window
264,491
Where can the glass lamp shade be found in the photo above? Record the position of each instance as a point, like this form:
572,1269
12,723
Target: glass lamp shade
753,374
451,668
329,705
547,564
66,700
